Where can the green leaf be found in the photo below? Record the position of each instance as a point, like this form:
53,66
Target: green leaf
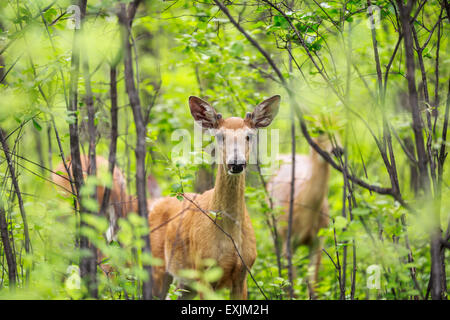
340,222
189,273
213,274
280,21
237,49
36,125
361,211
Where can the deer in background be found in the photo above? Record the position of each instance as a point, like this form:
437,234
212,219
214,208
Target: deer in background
183,235
120,203
311,210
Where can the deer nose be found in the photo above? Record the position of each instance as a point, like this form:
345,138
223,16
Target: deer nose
236,167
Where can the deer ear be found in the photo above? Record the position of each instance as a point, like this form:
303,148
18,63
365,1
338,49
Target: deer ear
203,113
265,112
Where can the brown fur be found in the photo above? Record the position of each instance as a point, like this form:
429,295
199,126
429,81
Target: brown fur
120,204
182,236
191,237
187,236
119,199
311,210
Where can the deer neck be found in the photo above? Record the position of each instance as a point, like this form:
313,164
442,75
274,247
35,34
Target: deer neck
318,161
228,199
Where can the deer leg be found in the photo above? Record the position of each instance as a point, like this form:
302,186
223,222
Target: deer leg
111,233
315,256
161,282
167,280
239,287
244,291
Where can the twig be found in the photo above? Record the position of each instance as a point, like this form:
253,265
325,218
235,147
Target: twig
10,68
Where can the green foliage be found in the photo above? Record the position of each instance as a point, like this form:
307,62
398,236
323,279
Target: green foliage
189,48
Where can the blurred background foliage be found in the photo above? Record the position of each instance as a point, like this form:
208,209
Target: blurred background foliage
185,48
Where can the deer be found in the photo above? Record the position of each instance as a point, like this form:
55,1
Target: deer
183,235
311,210
120,202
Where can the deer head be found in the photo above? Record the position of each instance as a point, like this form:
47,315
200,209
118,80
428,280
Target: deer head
234,135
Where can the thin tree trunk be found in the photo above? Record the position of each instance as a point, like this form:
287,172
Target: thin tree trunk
114,135
413,99
49,146
375,52
441,159
387,139
75,141
73,108
426,97
125,19
343,282
10,257
92,171
424,181
18,194
289,249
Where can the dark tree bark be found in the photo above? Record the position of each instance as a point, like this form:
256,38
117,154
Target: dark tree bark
405,17
49,146
114,135
441,159
424,181
289,250
85,262
92,171
10,257
126,16
15,183
73,108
